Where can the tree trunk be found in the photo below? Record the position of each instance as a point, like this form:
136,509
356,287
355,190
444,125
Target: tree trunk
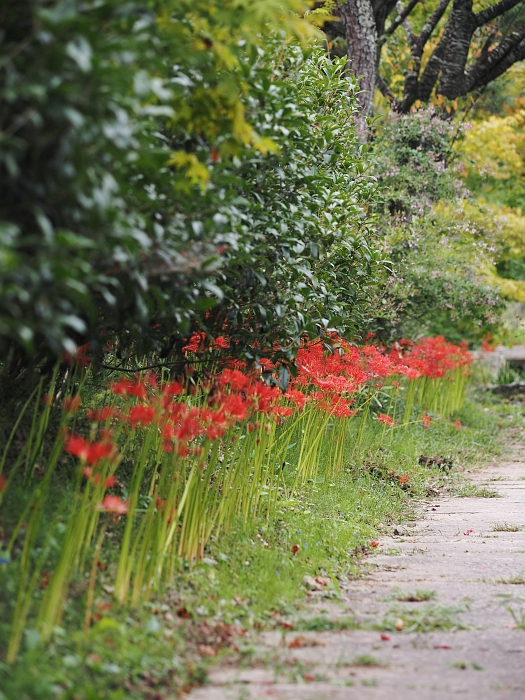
361,39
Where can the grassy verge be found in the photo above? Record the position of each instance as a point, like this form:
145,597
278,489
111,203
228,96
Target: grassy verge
253,577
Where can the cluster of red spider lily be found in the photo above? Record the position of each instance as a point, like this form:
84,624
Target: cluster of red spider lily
201,450
329,379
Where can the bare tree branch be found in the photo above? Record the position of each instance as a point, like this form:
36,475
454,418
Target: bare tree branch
431,23
494,11
400,18
490,65
385,90
406,26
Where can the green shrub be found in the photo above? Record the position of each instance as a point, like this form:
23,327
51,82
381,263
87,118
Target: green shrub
439,281
173,168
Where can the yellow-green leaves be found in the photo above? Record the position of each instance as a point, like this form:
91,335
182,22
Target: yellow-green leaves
196,172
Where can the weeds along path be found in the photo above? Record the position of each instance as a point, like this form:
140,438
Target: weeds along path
438,613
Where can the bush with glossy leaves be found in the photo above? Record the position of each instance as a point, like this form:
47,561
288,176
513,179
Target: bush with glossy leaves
171,168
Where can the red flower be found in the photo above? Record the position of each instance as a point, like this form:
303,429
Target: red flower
426,420
196,341
141,414
126,387
383,418
100,415
457,424
221,342
72,404
113,504
81,356
91,452
77,446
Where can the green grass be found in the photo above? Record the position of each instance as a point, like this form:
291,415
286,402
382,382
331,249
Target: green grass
250,578
505,527
518,580
418,596
367,661
425,619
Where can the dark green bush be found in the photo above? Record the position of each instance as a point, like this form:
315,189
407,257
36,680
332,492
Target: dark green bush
162,176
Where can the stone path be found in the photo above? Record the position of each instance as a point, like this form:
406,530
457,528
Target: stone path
475,569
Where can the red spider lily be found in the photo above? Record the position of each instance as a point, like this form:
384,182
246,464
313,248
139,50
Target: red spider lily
282,411
295,548
298,398
100,415
435,357
172,389
140,414
221,342
127,387
77,446
195,343
236,406
404,479
91,452
426,420
457,424
81,357
383,418
234,378
487,344
72,404
47,400
110,481
113,504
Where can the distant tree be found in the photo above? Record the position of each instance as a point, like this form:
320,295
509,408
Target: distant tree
454,47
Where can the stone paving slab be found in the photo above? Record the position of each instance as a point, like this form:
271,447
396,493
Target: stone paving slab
468,572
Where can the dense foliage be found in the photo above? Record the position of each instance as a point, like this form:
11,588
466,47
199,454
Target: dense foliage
440,281
161,174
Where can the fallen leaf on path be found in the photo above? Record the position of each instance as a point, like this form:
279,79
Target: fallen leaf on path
301,642
287,625
374,543
295,548
312,583
320,580
468,532
308,677
442,646
385,637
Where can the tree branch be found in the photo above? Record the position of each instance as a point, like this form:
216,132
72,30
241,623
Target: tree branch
491,65
400,18
385,90
431,23
494,11
406,26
